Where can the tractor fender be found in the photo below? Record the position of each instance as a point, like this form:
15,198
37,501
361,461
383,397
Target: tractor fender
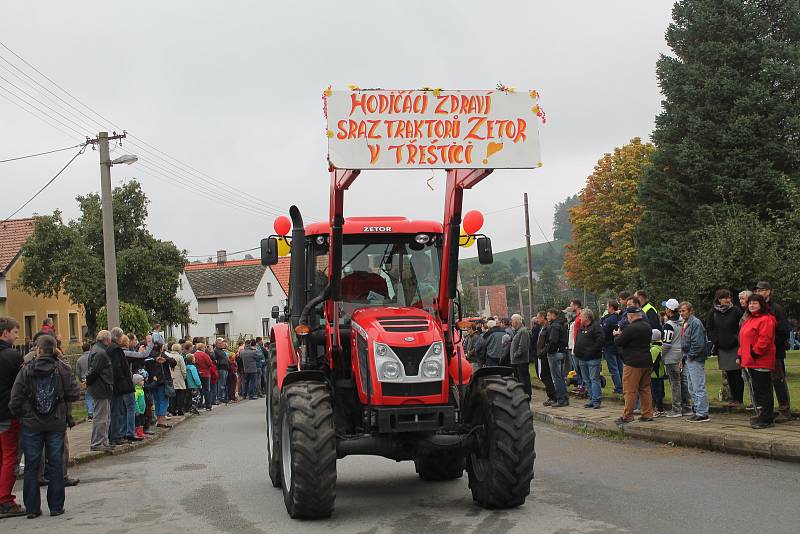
471,395
285,354
309,376
466,367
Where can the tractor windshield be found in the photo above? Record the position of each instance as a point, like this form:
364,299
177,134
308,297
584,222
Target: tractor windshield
390,270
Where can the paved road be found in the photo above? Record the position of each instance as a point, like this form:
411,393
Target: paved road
208,476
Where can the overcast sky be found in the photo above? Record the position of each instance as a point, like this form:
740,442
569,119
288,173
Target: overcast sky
234,89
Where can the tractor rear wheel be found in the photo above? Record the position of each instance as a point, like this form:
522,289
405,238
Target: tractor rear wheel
500,468
273,398
308,450
440,466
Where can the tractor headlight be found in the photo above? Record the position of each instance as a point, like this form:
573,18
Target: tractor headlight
387,364
432,364
431,368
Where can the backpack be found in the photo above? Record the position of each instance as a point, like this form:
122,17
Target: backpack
45,393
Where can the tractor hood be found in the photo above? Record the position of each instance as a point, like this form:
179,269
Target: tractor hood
398,327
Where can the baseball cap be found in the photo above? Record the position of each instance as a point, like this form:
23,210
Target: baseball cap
763,285
672,304
633,309
491,323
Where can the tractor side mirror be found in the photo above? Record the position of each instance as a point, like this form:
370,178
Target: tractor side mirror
485,250
269,251
275,312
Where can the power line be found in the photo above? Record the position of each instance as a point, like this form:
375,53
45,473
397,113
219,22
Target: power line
226,253
53,179
40,111
39,154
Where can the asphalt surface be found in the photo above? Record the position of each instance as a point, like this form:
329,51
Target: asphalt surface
209,475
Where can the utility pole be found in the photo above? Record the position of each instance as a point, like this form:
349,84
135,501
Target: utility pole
109,247
478,291
530,257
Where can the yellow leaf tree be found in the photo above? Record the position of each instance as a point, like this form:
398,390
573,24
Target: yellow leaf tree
602,255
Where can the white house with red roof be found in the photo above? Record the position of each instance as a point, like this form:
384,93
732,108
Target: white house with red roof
232,298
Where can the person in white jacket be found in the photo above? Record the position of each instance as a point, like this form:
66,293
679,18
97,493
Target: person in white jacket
178,402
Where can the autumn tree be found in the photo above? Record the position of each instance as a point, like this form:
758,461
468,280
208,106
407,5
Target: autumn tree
602,254
68,257
729,130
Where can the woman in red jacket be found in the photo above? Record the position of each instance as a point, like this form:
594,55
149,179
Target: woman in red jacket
757,356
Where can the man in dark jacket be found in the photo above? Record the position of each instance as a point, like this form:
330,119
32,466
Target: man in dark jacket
634,345
649,311
520,352
100,383
123,401
493,341
10,363
609,323
223,366
40,397
781,337
543,367
249,364
557,343
588,350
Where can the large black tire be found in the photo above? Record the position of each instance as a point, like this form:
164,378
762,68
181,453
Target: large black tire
273,399
500,469
446,465
308,450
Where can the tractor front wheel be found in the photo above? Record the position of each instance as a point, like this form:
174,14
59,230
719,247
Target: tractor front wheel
500,468
273,398
440,466
308,450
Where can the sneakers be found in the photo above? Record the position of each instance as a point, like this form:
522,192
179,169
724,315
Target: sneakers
673,413
71,482
548,402
621,421
758,424
687,413
699,419
637,412
11,509
659,414
561,404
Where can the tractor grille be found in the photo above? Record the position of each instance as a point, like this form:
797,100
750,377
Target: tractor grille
411,357
417,323
412,389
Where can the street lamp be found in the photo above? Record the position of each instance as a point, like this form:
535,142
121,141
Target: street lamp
109,248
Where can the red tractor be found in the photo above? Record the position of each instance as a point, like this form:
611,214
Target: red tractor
368,360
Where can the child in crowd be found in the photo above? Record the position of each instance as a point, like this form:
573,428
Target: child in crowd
148,401
193,382
138,385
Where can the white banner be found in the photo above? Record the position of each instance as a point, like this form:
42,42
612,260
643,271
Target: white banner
433,129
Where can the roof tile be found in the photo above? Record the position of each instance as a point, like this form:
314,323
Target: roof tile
13,234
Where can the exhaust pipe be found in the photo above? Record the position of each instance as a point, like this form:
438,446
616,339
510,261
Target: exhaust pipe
297,289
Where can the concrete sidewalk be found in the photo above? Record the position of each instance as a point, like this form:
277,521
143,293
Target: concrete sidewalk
730,433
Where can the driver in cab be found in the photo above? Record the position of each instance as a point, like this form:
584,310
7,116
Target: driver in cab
357,286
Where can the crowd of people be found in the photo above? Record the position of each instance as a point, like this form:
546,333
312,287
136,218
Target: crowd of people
645,348
130,387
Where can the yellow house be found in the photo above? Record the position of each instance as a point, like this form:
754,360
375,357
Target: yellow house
68,318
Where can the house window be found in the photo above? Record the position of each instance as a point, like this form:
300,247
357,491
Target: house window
73,327
221,329
269,289
265,327
54,317
29,324
207,306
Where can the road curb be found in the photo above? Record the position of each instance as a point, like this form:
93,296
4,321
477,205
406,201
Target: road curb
713,441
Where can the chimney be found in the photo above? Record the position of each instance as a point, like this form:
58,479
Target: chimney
222,257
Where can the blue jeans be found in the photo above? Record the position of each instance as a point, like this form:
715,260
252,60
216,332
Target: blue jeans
32,444
123,416
590,370
89,403
222,385
205,387
696,375
576,365
160,401
212,391
250,384
614,362
556,362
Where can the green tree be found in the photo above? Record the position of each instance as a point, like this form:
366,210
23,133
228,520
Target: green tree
562,226
132,318
602,254
69,257
515,266
729,131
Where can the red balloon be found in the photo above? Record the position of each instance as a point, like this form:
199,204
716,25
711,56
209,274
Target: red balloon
282,225
473,221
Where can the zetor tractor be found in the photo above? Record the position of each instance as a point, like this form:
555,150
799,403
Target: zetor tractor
368,360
